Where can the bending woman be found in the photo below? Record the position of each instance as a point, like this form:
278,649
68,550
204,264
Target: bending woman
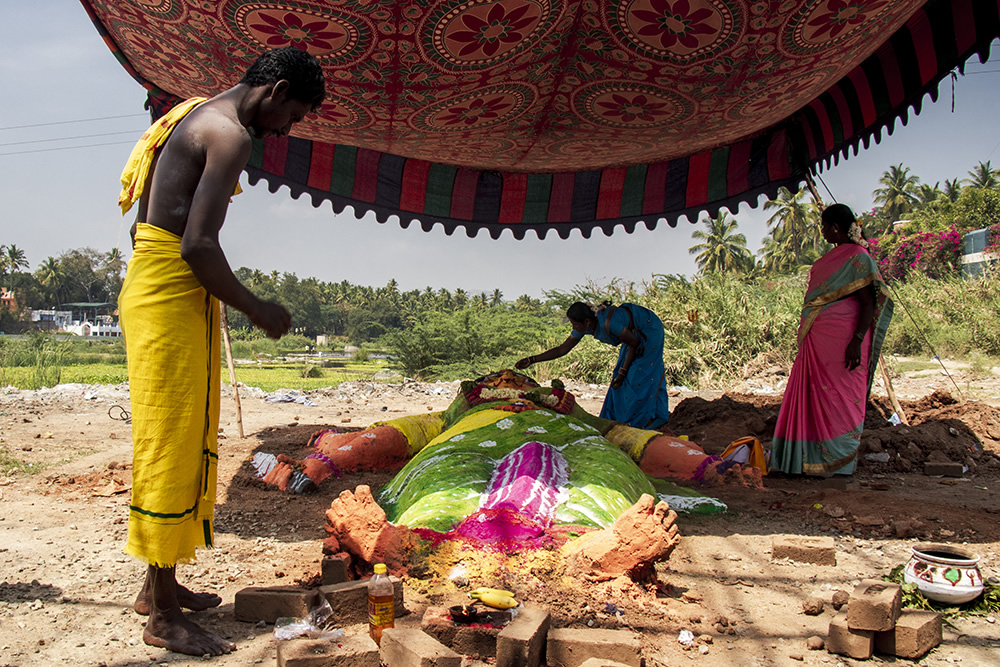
844,320
638,393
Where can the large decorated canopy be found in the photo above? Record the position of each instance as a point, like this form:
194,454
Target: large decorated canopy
559,114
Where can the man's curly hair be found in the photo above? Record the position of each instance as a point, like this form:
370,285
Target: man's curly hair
302,71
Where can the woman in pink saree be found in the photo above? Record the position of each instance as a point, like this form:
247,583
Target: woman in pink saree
844,320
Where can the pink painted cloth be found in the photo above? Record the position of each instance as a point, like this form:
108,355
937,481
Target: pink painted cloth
522,495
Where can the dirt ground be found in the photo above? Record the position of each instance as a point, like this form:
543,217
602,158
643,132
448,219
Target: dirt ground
66,587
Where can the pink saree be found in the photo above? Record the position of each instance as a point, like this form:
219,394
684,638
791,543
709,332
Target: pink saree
823,411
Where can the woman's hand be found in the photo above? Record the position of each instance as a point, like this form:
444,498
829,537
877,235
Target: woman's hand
619,379
523,363
852,357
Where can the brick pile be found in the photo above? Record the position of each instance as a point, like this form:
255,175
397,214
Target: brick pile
875,621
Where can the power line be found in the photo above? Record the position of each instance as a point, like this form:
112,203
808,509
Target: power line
67,122
81,136
66,148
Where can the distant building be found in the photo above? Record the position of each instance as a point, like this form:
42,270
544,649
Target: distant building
89,323
975,258
8,300
53,319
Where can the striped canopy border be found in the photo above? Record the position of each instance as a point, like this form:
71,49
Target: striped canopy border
939,37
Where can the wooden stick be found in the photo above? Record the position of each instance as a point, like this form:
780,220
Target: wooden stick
892,393
232,371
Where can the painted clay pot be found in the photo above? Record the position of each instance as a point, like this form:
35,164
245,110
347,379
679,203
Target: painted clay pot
944,573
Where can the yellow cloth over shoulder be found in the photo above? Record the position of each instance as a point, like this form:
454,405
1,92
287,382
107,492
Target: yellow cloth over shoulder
171,327
136,170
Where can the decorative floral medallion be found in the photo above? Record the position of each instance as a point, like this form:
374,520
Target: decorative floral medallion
792,93
473,33
619,104
488,107
174,68
587,153
167,10
339,38
338,113
825,23
680,30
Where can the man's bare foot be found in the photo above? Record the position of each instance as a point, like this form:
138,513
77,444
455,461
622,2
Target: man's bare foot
173,631
186,598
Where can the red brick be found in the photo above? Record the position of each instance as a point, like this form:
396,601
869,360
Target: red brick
409,647
949,469
347,651
479,639
844,640
874,605
567,647
816,550
349,600
268,604
334,569
916,632
522,642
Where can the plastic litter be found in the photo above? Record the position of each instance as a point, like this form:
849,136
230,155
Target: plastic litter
313,626
877,457
895,420
685,638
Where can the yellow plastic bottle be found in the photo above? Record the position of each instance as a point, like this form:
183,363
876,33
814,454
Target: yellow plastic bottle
381,610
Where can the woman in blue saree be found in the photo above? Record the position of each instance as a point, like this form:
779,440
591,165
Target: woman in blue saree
638,392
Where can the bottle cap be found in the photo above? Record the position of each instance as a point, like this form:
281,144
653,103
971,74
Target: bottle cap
380,568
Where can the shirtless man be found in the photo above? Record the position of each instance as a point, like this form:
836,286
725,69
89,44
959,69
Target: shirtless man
169,313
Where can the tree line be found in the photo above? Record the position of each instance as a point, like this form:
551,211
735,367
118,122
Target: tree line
904,207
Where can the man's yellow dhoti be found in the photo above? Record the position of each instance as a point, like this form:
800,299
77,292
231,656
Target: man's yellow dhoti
171,327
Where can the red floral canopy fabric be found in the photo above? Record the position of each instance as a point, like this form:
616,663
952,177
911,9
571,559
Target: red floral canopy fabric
559,114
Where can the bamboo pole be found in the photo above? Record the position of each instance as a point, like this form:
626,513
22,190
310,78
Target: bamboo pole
232,370
892,392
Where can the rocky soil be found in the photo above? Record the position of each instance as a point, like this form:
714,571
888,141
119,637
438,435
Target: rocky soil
65,472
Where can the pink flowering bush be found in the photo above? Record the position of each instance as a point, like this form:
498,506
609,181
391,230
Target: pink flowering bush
934,254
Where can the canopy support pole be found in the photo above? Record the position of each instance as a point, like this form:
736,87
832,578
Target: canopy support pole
232,370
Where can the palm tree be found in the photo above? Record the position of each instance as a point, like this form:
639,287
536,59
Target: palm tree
721,250
49,275
984,177
14,259
952,189
897,196
776,253
496,299
796,221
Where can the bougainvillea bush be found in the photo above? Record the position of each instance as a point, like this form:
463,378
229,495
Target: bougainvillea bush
933,254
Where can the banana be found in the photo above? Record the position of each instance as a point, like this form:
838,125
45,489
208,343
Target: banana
483,589
496,600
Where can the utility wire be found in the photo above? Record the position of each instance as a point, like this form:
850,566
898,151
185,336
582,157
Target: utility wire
67,122
66,148
81,136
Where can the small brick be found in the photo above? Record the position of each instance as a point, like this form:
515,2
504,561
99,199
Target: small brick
949,469
409,647
334,569
347,651
479,638
874,605
816,550
268,604
349,600
843,640
568,647
916,632
522,642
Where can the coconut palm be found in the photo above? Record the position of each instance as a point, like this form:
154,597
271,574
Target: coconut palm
952,189
776,253
721,250
897,196
797,221
14,259
984,177
49,275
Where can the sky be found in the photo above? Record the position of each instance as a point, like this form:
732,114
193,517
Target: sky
59,181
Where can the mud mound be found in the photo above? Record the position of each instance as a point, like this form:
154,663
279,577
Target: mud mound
941,429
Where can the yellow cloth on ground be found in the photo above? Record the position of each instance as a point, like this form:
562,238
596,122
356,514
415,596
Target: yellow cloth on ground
631,440
171,328
136,170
